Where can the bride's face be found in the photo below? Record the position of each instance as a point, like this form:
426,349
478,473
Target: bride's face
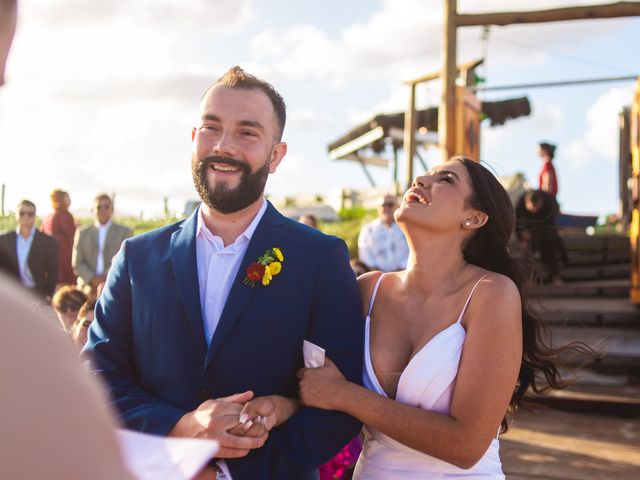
438,200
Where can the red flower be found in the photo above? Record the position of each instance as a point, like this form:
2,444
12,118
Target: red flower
255,271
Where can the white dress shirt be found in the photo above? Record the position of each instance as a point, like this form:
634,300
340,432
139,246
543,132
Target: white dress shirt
23,247
102,238
217,269
383,247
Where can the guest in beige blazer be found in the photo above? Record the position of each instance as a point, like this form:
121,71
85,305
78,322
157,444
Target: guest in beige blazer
95,245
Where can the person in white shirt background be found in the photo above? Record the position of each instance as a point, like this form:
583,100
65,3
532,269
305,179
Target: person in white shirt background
381,244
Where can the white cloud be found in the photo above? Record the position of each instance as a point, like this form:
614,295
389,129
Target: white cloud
600,140
403,40
161,14
309,118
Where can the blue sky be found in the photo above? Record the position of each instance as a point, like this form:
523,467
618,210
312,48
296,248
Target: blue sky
101,96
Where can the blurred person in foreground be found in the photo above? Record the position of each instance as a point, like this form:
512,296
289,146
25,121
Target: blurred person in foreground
66,304
29,255
381,244
95,245
203,318
61,225
55,424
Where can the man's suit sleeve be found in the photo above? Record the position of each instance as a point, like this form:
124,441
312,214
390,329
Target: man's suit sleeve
110,348
78,262
313,436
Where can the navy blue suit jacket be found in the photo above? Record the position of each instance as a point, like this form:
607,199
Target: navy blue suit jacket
148,342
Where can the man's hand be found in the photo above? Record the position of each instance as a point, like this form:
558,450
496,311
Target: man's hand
271,411
214,419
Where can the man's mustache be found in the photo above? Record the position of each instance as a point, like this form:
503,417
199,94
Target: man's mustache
232,162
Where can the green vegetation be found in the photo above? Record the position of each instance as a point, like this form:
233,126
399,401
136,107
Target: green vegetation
351,220
349,227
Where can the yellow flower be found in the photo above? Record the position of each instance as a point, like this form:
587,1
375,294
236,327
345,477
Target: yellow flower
278,254
275,268
266,278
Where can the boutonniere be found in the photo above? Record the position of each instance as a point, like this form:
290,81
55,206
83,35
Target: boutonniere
265,268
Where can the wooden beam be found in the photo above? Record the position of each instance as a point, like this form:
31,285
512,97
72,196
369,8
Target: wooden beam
446,120
357,143
409,145
585,12
435,75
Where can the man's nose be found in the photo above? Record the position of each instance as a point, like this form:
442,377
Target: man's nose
224,145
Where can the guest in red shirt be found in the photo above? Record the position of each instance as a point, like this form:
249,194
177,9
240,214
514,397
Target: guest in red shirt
61,225
547,179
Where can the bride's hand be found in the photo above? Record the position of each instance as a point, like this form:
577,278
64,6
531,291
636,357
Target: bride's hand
321,387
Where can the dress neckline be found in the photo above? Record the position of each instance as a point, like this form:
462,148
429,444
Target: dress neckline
369,357
374,375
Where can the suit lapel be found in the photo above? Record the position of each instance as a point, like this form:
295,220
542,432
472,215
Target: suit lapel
13,252
33,252
183,258
92,235
267,235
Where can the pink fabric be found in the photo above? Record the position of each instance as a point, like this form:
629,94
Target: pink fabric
345,458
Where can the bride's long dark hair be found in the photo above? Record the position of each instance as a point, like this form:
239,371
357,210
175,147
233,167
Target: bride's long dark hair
488,248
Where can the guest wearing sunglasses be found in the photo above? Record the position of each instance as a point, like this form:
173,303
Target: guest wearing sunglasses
28,255
381,243
67,303
95,245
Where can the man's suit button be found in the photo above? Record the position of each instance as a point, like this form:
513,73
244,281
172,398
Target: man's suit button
203,394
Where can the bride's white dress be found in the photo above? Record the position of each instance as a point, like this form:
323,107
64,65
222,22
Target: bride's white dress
427,382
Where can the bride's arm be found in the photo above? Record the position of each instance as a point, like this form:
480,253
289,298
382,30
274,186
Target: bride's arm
486,379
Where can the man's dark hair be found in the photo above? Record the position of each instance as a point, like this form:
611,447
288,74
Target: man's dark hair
103,196
25,202
236,77
549,149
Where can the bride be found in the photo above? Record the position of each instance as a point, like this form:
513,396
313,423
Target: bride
450,345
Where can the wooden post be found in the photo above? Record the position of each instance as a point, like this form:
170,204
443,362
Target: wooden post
446,120
409,133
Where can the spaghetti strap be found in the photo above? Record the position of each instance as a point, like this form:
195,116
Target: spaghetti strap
373,295
464,309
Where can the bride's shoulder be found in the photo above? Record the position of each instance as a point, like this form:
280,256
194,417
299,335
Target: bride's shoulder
367,282
495,291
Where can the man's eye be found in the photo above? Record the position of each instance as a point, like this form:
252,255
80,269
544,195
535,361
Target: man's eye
248,133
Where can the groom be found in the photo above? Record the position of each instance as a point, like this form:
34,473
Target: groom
184,326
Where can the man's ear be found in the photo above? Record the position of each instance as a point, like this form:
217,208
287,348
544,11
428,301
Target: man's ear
278,152
193,133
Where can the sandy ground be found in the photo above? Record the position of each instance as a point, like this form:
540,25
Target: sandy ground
561,445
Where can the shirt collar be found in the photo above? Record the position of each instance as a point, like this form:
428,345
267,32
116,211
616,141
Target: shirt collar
33,232
201,228
100,226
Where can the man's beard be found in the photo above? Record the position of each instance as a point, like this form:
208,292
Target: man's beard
225,199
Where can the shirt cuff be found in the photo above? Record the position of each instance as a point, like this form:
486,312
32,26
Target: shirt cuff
225,469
